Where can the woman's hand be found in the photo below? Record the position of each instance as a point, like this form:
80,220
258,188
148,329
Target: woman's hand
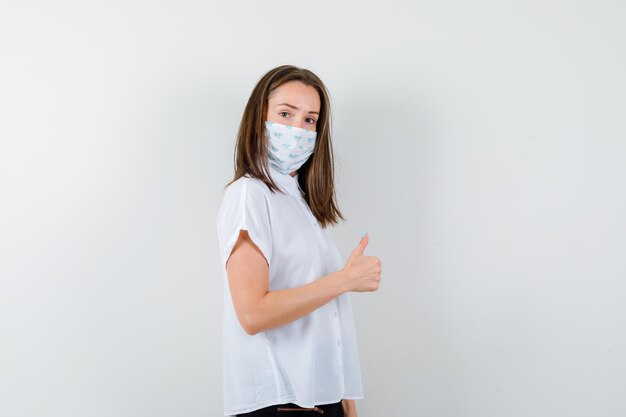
349,408
361,273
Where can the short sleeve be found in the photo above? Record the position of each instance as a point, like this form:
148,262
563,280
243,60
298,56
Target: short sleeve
244,206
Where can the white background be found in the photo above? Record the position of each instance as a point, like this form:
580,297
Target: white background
482,144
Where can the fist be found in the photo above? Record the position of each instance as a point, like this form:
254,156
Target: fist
361,272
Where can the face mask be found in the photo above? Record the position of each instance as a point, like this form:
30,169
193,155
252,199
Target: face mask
289,146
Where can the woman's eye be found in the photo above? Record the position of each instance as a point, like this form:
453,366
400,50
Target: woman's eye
312,121
283,112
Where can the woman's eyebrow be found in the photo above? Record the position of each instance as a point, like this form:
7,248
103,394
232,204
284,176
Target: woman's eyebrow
295,108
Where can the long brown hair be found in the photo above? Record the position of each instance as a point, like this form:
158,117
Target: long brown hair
316,175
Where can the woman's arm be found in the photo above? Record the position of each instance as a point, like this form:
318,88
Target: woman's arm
259,309
349,408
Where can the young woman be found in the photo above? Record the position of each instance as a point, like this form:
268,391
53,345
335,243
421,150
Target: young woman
290,347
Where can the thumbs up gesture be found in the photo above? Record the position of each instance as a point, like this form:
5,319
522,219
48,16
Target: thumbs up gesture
362,273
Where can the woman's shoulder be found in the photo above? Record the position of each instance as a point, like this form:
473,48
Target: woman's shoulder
250,189
248,185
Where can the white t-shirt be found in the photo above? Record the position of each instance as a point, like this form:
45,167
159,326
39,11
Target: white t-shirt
312,360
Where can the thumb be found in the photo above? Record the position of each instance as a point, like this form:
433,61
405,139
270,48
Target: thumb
362,244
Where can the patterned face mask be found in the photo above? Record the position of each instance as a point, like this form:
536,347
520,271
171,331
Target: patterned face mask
289,146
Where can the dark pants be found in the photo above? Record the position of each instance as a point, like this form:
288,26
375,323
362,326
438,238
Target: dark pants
330,410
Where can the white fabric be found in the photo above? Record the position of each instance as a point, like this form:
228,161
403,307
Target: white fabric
312,360
289,146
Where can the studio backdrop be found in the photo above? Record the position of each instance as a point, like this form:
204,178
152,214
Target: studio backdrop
482,145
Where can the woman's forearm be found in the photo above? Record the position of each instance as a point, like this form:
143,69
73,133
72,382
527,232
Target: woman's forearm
279,307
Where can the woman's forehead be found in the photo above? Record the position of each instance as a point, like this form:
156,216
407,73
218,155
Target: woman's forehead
296,94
